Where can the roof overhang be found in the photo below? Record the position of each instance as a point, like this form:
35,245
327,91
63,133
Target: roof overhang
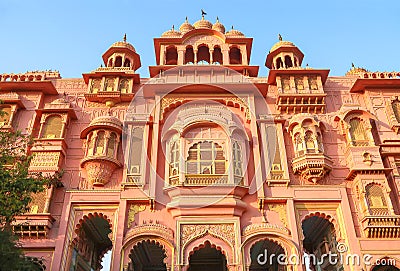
361,84
46,87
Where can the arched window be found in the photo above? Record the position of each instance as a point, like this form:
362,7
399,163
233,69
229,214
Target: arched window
135,151
279,63
298,143
357,132
127,63
100,141
189,55
110,62
217,55
95,87
203,54
123,85
90,144
396,109
205,158
118,61
235,56
237,159
171,57
288,62
174,163
112,144
5,115
309,139
52,127
376,200
109,84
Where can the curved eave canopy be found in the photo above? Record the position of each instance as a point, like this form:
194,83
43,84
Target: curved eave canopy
361,84
201,31
281,49
273,73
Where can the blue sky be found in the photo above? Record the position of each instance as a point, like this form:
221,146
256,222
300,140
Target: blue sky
71,36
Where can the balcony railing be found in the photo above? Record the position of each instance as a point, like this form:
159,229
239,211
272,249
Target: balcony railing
205,180
381,226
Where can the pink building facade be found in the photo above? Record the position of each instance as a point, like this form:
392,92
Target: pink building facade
205,165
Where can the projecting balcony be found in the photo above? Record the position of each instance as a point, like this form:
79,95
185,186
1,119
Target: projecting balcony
312,166
381,226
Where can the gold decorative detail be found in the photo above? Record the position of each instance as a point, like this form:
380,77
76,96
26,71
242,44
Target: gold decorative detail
133,210
145,229
281,210
225,231
45,160
262,228
167,102
242,104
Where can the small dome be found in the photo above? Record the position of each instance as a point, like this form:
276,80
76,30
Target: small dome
203,24
123,44
233,32
218,26
355,70
186,27
281,43
106,122
171,33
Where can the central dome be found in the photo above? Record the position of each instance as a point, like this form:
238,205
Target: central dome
203,23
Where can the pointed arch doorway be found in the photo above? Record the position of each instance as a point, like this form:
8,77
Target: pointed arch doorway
207,257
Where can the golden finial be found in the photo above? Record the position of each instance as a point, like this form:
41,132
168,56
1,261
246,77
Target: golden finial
125,37
279,37
232,27
173,27
352,65
186,20
217,19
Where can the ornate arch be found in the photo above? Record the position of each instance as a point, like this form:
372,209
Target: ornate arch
278,237
217,241
325,215
161,234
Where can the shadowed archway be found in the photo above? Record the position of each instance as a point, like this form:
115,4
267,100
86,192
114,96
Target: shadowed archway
207,257
147,255
270,252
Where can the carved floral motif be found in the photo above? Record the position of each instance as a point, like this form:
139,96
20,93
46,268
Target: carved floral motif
226,231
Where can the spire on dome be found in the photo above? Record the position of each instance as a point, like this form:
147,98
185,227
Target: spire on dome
280,37
125,37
